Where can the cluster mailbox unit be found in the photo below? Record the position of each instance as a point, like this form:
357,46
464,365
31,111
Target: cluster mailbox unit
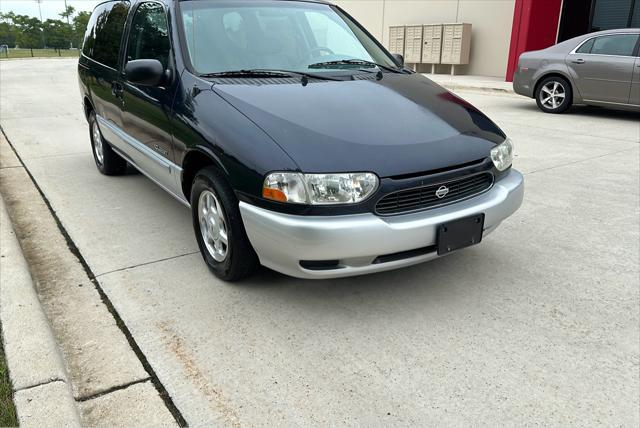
432,44
413,44
396,40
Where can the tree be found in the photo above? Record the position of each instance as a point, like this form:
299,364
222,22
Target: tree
7,29
80,22
58,34
29,32
68,12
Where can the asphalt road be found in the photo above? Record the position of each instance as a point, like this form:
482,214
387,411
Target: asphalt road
537,325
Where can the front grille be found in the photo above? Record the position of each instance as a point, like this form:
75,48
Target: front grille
421,198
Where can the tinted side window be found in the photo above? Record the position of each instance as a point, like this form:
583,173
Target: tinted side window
107,34
100,12
149,36
619,44
586,47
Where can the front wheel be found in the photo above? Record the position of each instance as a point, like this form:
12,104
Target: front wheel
218,226
554,95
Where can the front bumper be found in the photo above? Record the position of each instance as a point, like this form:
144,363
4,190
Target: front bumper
359,241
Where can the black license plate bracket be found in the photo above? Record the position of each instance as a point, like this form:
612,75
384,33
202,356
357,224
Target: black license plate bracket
461,233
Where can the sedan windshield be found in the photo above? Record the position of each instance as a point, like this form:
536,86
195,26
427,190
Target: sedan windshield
231,36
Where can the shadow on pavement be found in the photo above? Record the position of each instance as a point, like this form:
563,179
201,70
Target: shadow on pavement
584,111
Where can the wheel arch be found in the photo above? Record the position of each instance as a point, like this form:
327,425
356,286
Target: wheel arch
88,107
194,161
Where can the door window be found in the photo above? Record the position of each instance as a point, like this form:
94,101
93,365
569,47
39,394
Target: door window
619,44
149,36
104,32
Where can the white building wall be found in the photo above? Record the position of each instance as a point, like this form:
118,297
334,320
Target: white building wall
491,21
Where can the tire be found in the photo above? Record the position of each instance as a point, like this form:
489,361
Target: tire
554,95
107,160
211,195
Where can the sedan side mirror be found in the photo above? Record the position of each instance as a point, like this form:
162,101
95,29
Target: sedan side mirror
147,72
399,59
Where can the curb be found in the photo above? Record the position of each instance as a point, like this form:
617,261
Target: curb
477,87
461,87
111,383
39,381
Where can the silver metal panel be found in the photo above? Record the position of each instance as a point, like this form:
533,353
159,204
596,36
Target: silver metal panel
160,170
634,99
602,77
282,240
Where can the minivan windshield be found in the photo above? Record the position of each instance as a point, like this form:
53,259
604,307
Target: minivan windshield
230,36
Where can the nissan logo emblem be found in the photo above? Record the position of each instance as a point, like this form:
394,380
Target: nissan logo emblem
442,192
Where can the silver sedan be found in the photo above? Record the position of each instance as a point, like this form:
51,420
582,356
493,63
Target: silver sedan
600,68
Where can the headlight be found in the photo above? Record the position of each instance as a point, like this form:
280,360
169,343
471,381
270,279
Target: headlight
502,155
319,189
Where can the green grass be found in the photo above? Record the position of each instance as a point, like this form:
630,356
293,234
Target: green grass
7,409
37,53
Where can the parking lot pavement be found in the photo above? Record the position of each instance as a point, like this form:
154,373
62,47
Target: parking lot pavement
539,324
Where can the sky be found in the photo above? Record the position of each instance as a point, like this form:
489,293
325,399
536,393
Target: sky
50,8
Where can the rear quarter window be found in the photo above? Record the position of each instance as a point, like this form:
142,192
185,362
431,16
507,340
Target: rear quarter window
586,47
104,32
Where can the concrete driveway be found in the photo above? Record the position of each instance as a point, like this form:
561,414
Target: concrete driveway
538,325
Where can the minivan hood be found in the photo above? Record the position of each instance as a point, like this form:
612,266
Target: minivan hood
401,124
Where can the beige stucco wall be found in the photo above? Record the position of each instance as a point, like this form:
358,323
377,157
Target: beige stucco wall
491,21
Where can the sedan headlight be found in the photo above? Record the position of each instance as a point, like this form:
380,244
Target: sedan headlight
319,189
502,155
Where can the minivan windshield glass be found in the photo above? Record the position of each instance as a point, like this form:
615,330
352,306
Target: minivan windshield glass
224,36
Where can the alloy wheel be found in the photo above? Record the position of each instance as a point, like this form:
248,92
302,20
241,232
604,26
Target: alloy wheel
552,95
97,144
213,226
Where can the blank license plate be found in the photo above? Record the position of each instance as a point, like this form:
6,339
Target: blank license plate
461,233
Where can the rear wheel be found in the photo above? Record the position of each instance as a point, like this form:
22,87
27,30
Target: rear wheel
219,229
107,160
554,95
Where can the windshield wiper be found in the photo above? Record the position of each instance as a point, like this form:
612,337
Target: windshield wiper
268,73
358,62
247,73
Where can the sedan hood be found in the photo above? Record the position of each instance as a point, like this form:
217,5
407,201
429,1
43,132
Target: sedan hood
402,124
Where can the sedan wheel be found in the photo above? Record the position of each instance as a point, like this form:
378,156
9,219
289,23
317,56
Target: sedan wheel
554,95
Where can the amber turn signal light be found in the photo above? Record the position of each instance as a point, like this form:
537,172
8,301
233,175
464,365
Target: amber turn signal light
274,194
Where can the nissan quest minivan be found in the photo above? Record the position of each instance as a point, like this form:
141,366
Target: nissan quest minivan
297,140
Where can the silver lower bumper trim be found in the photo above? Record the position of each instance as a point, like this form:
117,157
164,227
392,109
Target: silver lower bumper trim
283,240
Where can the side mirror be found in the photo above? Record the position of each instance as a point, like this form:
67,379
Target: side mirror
147,72
399,59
